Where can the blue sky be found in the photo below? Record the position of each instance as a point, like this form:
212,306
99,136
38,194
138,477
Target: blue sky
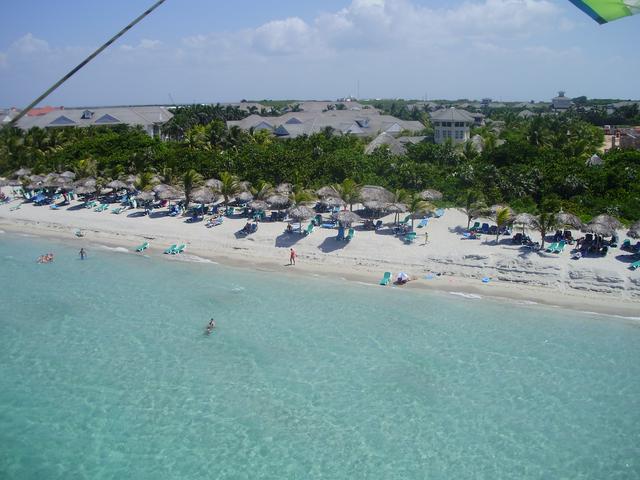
205,51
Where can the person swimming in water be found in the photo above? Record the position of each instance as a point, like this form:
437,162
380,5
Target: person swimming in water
83,254
210,326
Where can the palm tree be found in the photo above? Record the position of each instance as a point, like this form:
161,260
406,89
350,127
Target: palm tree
190,180
545,222
415,204
301,196
230,186
349,192
474,206
145,181
262,190
502,218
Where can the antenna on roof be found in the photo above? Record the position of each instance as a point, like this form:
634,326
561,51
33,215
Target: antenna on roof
84,62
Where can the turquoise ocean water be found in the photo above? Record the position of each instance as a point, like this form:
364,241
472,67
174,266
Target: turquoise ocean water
105,373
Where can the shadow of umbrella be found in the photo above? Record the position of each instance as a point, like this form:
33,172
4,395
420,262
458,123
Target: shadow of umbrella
330,244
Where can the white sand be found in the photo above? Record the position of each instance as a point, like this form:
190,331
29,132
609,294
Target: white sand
604,285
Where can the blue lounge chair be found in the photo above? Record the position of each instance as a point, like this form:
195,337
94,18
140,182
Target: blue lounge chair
485,228
378,225
171,249
309,229
423,222
635,265
410,237
386,279
142,247
179,249
439,212
552,248
117,210
406,220
351,234
340,235
560,247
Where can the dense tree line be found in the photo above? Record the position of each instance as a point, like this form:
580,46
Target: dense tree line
531,163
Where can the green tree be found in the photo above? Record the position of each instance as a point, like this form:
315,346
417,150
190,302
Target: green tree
416,205
544,223
474,206
349,192
145,181
502,218
190,180
230,186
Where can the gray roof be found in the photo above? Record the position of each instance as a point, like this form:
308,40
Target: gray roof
356,122
452,115
144,116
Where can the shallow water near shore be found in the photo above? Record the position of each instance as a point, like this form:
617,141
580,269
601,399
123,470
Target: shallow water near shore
105,372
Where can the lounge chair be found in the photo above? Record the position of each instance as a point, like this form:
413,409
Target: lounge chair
214,222
53,206
101,208
317,220
552,248
171,249
406,220
378,225
179,249
472,235
635,265
626,245
117,210
423,222
351,234
410,237
142,247
439,212
340,235
386,279
476,226
309,229
485,228
92,204
560,247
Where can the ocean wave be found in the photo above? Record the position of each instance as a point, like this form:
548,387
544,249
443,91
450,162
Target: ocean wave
466,295
183,257
2,231
114,249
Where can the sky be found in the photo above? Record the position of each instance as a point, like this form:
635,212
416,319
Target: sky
203,51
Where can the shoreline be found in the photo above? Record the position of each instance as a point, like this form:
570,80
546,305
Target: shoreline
446,284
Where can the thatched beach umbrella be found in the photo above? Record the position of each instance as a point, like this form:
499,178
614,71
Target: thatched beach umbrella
161,187
375,193
244,197
284,188
599,229
258,205
146,197
346,216
213,183
22,172
85,190
568,220
607,220
36,178
327,192
278,201
170,193
634,231
524,219
117,185
245,186
332,202
203,195
430,195
300,212
85,182
68,175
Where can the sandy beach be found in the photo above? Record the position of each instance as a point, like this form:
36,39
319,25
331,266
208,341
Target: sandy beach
445,262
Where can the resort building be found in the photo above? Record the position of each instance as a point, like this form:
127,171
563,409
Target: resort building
149,118
626,138
561,103
361,123
452,123
397,146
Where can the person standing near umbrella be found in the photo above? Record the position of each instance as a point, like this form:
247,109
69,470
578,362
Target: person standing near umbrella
292,257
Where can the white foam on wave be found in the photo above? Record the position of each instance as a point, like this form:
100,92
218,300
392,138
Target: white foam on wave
2,231
114,249
472,296
183,257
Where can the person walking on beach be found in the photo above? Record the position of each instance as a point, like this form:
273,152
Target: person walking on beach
292,257
426,237
83,254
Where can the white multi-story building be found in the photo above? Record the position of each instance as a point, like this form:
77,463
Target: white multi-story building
452,123
561,102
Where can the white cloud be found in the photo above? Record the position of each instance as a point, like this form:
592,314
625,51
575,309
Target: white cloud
28,44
